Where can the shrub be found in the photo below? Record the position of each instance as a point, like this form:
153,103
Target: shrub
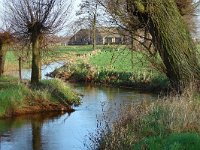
163,124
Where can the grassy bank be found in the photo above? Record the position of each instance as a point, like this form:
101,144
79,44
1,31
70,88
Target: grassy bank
19,98
171,123
116,67
50,54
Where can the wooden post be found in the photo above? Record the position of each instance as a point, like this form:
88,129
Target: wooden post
20,68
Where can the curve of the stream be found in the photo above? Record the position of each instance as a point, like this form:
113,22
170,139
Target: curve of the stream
65,131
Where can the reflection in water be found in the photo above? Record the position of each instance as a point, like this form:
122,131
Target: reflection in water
66,131
26,73
61,132
24,133
36,135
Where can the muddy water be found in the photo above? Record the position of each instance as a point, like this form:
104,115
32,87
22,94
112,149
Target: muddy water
66,131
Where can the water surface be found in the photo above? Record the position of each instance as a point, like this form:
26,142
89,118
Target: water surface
66,131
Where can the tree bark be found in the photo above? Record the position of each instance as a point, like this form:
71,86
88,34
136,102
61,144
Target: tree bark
172,39
94,32
2,58
94,27
36,61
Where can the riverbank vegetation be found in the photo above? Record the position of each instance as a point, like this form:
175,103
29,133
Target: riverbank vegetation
49,55
22,98
168,123
115,66
168,59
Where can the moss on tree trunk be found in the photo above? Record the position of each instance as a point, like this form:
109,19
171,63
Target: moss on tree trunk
36,61
172,39
2,58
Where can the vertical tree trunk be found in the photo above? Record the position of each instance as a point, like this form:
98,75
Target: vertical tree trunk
36,61
133,41
94,32
2,58
172,39
94,26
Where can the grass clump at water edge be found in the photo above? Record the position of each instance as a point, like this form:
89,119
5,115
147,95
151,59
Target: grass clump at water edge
171,123
60,91
16,97
12,94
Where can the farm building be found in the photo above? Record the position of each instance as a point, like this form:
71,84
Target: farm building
104,35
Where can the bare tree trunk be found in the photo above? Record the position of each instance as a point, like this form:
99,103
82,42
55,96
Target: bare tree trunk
94,27
94,32
172,39
2,58
36,61
133,47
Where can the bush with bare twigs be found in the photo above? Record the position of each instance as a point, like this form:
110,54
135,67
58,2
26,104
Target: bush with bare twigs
173,121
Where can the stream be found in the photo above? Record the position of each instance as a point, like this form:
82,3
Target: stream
52,131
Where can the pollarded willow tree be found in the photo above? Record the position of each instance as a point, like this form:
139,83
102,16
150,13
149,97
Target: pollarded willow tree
32,20
170,34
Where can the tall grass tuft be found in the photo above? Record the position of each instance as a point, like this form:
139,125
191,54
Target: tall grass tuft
12,94
16,96
59,91
153,125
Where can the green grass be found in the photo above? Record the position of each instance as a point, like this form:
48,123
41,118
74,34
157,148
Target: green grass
175,141
60,91
58,52
10,57
12,63
14,95
120,61
52,53
171,123
116,65
129,66
83,49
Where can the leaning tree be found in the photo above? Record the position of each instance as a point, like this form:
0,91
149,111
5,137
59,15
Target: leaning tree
169,32
32,20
